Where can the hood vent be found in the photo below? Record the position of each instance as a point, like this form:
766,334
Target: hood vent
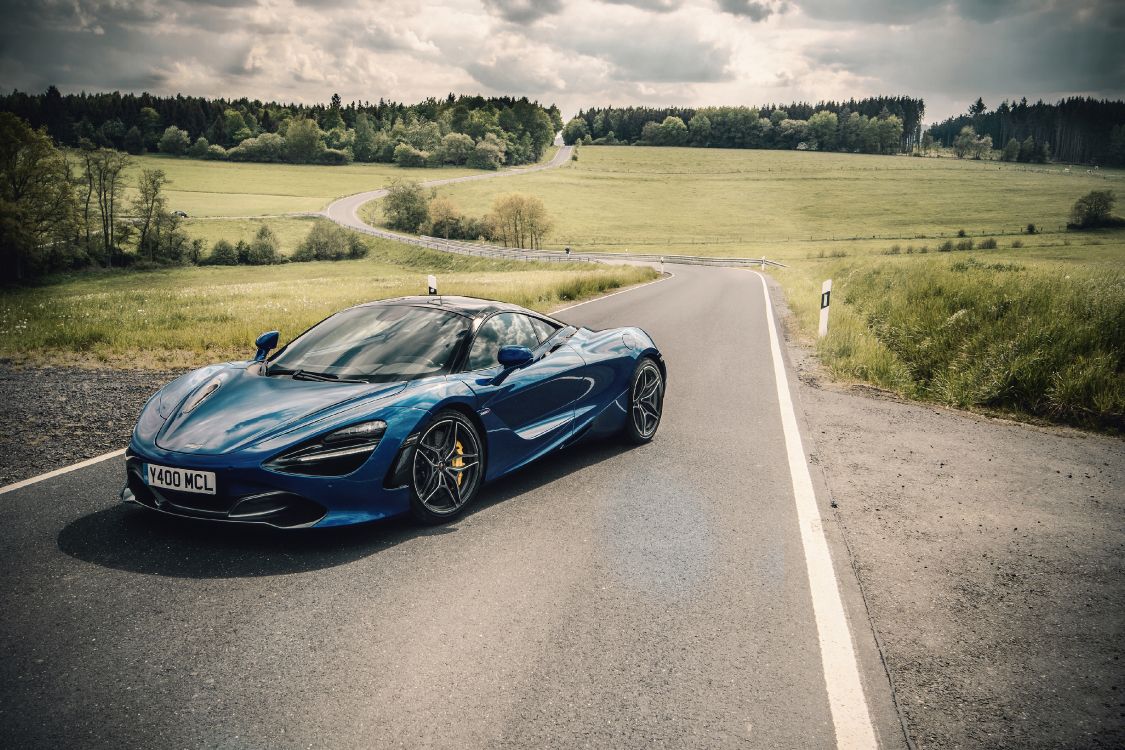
198,397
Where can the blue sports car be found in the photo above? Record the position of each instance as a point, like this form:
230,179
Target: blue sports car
400,405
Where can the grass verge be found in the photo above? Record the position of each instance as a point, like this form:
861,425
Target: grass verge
976,331
183,317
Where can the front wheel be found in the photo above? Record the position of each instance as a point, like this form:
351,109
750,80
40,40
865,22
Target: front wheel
447,469
646,402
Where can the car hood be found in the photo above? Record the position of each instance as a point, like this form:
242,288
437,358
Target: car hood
236,406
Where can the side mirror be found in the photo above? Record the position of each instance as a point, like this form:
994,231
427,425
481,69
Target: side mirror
265,342
514,356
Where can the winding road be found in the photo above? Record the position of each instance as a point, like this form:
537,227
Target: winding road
693,592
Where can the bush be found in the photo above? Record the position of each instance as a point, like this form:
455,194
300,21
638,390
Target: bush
408,156
1017,244
1094,209
1031,229
406,206
267,148
198,149
174,141
965,245
988,244
216,153
328,241
961,233
264,248
334,157
945,247
222,254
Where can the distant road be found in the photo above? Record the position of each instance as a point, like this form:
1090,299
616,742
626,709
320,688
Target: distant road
345,211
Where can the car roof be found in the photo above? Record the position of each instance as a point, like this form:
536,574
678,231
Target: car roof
472,307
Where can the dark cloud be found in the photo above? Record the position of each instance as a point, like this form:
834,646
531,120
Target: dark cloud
652,52
523,11
1050,53
659,6
755,11
907,11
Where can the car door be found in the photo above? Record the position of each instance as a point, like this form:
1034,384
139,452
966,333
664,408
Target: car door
526,411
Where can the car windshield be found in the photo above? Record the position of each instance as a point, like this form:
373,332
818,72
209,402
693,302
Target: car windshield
377,344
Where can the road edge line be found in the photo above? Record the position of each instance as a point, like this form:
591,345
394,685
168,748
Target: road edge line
58,472
665,277
850,714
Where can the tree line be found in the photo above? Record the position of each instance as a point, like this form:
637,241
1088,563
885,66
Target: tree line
474,130
873,125
1076,129
60,214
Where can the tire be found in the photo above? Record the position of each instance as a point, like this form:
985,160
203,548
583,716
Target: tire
447,468
646,402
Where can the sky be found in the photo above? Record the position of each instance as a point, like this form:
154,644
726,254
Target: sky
574,53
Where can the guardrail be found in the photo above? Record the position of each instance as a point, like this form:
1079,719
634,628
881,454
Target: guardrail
482,250
550,255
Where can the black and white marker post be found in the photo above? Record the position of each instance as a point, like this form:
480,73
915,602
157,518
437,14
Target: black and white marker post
432,281
825,296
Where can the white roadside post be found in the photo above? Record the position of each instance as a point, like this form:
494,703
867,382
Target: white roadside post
825,296
661,265
432,281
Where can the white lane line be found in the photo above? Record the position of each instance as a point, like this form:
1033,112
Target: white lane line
837,656
63,470
666,276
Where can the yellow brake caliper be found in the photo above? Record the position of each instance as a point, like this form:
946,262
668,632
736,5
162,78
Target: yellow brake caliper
458,462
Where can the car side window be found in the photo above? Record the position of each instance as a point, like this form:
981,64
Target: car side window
505,329
543,329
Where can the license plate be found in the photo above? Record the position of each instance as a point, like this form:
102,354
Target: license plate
184,480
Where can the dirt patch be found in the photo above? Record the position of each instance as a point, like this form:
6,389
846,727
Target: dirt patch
55,416
992,558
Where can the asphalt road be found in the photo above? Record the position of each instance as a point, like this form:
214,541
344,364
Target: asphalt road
607,597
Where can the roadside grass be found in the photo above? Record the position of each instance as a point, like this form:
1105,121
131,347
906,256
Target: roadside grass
188,316
1001,334
783,204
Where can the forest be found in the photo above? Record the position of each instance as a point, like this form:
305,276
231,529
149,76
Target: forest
1077,129
480,132
873,125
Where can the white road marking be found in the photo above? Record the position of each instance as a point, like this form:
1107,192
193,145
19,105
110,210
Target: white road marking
63,470
614,294
850,716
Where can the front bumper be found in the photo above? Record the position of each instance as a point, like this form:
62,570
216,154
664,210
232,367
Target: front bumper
247,492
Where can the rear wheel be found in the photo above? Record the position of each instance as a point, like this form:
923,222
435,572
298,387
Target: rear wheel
447,469
646,402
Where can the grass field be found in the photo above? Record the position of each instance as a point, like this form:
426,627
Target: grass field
213,188
783,204
1032,330
183,317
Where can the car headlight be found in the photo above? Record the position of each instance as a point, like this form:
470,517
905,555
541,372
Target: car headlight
334,454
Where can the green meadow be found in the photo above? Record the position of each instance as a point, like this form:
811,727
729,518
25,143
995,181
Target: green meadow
784,204
1027,325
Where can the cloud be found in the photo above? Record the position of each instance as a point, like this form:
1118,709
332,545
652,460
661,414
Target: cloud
523,11
658,6
574,52
755,11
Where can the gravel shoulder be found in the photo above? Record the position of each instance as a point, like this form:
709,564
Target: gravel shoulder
991,555
55,416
